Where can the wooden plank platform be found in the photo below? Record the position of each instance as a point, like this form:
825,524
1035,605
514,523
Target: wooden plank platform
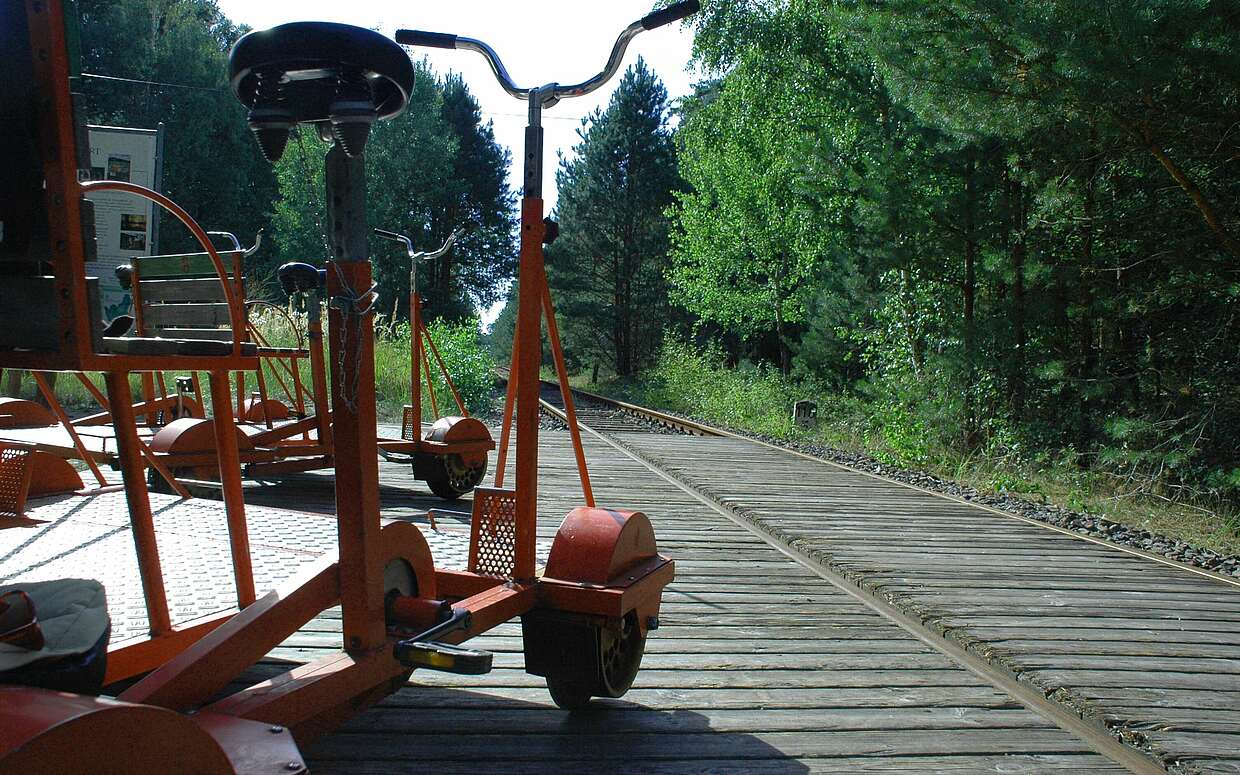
760,666
1151,649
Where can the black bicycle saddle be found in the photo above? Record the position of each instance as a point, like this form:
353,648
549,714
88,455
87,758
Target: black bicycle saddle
320,73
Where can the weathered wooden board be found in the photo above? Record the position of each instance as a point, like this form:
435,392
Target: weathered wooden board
1152,648
759,666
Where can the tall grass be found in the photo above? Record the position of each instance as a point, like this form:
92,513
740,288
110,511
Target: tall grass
468,362
698,383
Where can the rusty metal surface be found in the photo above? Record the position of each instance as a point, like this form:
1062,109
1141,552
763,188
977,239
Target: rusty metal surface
14,480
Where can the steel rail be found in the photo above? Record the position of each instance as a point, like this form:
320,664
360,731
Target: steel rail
701,429
1092,733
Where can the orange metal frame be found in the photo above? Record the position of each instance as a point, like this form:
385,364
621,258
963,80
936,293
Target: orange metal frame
591,571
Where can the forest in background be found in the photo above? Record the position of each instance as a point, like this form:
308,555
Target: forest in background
970,230
431,170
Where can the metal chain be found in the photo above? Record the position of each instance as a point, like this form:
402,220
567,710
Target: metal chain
350,304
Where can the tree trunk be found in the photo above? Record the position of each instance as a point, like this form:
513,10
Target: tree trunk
1085,329
1019,337
967,301
916,345
1200,201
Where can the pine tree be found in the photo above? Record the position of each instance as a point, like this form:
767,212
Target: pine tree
607,266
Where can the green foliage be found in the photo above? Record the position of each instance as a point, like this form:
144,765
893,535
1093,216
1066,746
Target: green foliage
697,383
429,171
607,266
212,167
469,365
1007,230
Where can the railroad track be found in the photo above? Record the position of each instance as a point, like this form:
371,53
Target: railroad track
1136,654
609,416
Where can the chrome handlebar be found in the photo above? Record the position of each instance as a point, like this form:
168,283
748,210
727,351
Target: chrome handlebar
426,255
553,92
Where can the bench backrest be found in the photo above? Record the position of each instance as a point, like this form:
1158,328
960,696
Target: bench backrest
181,297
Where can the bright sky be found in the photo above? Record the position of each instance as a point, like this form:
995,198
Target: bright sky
551,40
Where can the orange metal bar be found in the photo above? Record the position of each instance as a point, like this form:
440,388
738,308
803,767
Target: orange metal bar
415,362
151,459
553,333
510,397
59,411
262,394
163,386
240,376
162,470
278,360
230,482
529,344
92,389
318,376
142,654
447,378
198,388
357,486
299,403
147,381
209,665
312,699
60,169
352,340
143,525
430,388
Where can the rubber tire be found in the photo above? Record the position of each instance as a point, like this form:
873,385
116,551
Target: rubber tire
156,483
569,695
572,695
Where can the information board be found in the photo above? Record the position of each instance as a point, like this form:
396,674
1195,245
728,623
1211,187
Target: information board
125,225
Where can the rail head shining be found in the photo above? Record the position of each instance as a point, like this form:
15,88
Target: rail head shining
552,93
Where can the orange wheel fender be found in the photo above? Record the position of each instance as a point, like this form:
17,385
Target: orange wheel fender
450,429
403,540
596,545
50,475
20,413
257,410
455,430
190,434
55,732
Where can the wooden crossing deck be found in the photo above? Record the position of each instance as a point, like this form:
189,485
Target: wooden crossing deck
1150,649
769,663
760,666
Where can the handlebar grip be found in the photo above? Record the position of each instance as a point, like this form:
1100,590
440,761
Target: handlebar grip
429,39
387,234
668,15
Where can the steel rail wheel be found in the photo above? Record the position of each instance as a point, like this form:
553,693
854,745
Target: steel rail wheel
616,659
457,475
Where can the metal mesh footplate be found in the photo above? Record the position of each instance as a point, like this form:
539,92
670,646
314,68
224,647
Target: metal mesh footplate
90,537
493,533
14,480
409,427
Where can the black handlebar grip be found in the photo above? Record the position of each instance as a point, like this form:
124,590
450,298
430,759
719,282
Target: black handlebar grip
429,39
387,234
668,15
